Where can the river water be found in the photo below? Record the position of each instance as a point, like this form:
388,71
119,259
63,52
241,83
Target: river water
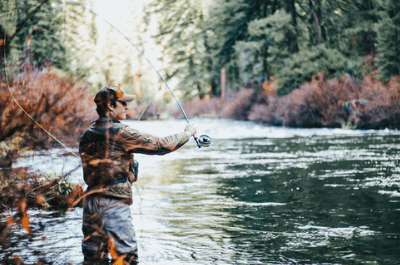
257,195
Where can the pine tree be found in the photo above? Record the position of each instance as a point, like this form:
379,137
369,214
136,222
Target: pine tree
269,44
254,39
33,25
388,41
77,36
228,24
182,38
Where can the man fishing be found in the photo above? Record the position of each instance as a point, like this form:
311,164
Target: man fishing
109,168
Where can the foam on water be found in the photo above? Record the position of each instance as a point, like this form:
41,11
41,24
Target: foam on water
231,129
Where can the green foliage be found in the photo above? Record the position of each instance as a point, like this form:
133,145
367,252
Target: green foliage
267,47
388,41
48,32
228,25
79,36
34,25
64,187
252,40
293,40
182,38
300,67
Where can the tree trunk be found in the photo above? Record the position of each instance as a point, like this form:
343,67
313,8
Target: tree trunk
293,38
315,22
319,15
4,44
223,83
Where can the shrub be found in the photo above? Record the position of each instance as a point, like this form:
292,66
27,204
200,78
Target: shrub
320,103
385,112
198,108
55,103
239,106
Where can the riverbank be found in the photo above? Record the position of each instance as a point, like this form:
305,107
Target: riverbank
18,185
40,109
332,103
21,191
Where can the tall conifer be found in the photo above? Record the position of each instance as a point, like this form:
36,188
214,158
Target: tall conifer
388,41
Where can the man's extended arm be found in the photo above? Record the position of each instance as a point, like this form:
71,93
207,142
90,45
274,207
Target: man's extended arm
137,142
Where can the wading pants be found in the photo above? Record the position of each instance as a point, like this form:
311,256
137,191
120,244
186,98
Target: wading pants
107,228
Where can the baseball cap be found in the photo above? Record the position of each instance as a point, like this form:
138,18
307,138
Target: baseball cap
112,93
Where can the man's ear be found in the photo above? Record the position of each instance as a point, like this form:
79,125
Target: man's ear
109,106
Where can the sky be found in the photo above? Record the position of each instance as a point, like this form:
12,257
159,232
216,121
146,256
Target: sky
118,13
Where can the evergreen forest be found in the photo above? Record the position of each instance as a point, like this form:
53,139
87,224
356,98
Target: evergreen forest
270,47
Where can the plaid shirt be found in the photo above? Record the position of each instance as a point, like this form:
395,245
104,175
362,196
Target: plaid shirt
107,149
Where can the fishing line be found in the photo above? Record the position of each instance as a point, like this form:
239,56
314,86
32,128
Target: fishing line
207,139
204,140
145,110
27,114
23,110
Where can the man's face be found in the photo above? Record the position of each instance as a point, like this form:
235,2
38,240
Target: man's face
119,112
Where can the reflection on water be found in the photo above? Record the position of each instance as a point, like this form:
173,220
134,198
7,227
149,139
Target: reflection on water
257,195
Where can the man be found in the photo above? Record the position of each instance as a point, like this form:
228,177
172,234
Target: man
106,150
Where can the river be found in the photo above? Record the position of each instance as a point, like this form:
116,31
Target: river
257,195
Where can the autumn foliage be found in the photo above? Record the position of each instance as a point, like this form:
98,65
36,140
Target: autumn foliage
319,103
37,100
39,109
236,108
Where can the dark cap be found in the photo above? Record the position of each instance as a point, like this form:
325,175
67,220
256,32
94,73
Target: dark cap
112,93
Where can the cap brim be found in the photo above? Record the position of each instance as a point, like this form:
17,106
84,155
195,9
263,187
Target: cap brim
127,98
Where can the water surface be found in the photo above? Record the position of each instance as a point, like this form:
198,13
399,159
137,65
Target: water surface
257,195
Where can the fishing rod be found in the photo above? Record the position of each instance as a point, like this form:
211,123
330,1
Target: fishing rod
202,140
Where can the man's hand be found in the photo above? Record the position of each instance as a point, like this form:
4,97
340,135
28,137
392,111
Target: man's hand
190,129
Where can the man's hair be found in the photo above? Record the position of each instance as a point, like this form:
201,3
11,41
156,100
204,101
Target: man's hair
103,108
105,95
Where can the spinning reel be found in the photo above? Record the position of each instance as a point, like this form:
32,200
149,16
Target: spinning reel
203,141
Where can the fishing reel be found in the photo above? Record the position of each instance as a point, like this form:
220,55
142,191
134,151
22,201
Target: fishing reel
203,141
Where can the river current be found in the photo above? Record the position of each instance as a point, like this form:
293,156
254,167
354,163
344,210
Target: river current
257,195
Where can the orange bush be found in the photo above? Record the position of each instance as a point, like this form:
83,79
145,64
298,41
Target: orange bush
237,107
198,108
319,103
54,102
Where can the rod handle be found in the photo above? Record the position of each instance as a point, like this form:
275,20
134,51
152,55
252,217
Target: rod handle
197,141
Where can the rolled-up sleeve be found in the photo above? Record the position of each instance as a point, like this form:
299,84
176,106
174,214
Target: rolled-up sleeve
133,141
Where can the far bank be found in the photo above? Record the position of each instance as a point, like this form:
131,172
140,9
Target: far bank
331,103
